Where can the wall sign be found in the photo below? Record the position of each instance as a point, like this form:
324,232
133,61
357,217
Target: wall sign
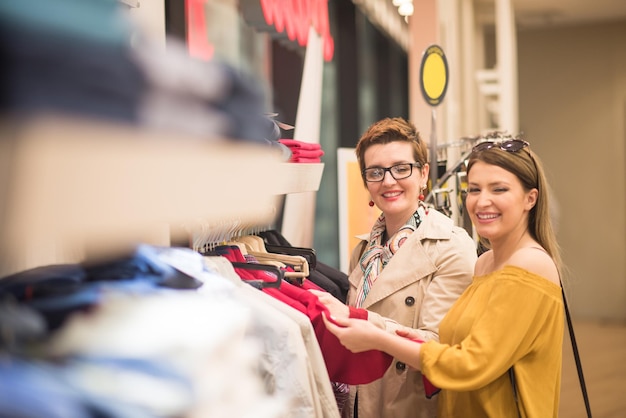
293,18
434,75
197,42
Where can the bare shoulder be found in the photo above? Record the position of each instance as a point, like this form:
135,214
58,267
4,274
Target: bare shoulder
537,261
482,264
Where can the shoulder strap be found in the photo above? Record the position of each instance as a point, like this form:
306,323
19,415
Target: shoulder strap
512,376
579,366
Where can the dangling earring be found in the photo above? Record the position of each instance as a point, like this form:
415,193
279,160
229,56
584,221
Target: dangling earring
420,199
421,195
371,203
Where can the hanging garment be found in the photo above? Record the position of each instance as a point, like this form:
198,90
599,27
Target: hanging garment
296,368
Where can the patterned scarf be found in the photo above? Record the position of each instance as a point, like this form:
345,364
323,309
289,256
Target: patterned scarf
376,255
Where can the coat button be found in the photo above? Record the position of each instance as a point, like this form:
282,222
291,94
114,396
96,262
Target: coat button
409,301
400,366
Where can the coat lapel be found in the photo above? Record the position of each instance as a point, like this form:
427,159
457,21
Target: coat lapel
408,265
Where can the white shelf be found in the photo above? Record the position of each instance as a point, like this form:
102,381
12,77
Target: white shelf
299,177
130,3
82,182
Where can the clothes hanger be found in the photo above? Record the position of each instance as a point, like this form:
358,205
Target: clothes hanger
222,250
308,253
246,245
262,267
276,243
253,242
256,248
245,251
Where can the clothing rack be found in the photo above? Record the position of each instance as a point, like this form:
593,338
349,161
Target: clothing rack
77,189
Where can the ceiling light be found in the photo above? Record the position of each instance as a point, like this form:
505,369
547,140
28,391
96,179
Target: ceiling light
406,9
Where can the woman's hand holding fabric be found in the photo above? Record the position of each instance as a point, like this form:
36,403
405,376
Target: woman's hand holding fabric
356,335
359,335
336,308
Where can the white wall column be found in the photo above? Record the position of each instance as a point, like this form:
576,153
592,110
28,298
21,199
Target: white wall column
506,53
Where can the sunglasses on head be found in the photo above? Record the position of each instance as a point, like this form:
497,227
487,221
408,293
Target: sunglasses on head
509,145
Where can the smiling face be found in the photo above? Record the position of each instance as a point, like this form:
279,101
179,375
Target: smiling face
497,203
398,199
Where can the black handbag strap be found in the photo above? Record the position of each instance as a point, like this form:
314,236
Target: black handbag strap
512,376
579,366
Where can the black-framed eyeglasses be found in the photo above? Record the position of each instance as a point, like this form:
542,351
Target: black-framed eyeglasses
509,145
398,172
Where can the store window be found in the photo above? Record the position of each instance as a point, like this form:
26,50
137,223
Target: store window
215,29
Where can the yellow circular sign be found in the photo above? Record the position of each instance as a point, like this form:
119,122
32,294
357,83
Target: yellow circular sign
434,75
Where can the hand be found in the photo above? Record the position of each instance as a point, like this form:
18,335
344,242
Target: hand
359,335
356,335
335,306
411,334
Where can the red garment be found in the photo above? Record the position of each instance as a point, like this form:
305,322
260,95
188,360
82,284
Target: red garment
307,284
294,143
296,153
305,156
359,313
303,152
342,364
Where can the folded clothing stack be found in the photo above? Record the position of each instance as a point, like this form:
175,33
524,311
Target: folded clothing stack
303,152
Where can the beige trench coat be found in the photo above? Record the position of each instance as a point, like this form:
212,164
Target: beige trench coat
416,289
